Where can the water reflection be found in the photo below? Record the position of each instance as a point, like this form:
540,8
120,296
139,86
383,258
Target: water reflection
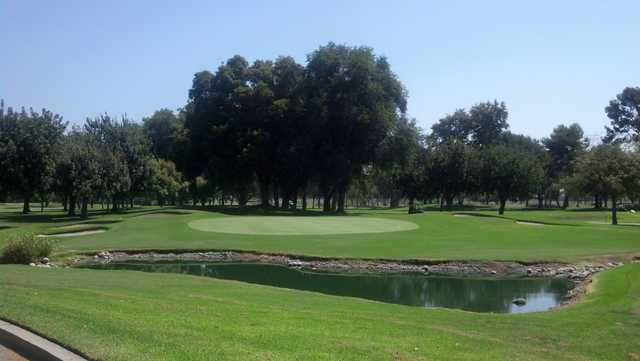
479,295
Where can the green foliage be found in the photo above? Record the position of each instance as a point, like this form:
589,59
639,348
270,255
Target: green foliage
624,112
165,180
28,144
608,170
161,128
26,248
509,172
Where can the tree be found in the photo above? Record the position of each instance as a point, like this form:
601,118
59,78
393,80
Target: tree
165,181
449,170
487,122
456,127
353,98
127,151
161,129
608,170
395,164
564,146
508,172
30,139
8,151
624,112
219,122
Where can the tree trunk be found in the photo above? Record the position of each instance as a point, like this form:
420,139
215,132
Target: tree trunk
449,202
264,195
614,210
565,203
341,196
83,211
304,198
503,201
65,201
26,207
72,206
412,204
114,203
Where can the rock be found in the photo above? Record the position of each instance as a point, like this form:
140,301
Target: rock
519,302
425,269
32,264
493,272
45,260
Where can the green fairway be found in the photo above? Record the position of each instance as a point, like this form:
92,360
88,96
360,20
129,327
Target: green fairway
566,235
301,225
127,315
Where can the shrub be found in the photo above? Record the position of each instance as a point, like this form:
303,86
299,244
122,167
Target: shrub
25,249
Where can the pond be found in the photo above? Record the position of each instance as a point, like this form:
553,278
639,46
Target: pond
471,294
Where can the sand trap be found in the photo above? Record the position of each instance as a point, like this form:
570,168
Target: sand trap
73,234
78,225
272,225
529,223
462,215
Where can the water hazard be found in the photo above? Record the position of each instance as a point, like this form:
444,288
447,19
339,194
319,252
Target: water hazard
478,295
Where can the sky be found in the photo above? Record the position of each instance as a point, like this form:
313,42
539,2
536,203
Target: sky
552,62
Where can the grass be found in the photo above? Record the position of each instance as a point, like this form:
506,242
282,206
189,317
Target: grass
566,236
282,225
127,315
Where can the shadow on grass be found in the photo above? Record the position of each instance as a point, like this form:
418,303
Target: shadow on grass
63,217
507,218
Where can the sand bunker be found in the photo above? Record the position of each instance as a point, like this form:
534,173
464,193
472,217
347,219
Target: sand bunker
78,225
529,223
73,234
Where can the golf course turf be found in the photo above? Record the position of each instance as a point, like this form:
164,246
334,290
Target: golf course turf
301,225
128,315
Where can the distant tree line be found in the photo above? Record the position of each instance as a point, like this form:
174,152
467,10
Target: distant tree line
333,131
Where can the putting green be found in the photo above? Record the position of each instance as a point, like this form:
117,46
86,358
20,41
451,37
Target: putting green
301,225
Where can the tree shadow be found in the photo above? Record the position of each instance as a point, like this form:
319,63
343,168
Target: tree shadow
262,211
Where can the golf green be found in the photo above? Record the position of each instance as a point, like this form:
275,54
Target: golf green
301,225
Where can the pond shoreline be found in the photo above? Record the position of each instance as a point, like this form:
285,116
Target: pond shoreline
580,275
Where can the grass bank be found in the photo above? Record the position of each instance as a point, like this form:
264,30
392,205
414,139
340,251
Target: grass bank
127,315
